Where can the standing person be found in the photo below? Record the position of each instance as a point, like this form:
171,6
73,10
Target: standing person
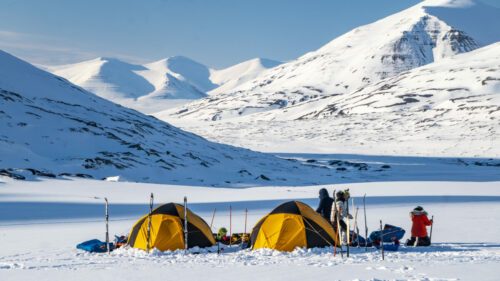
341,208
325,204
420,221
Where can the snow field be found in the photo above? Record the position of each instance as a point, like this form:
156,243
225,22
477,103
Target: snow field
465,234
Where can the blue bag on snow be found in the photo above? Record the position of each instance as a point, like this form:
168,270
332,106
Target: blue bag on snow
94,246
391,233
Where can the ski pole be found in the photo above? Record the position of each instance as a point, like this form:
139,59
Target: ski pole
230,226
337,218
430,235
107,224
366,227
348,223
356,228
185,225
246,214
381,239
148,244
332,222
212,221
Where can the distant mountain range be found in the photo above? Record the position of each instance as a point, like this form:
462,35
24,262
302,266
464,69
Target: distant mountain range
50,127
156,85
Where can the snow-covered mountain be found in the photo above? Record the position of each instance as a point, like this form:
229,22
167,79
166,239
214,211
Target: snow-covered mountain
462,88
425,33
51,127
158,85
233,76
174,77
446,108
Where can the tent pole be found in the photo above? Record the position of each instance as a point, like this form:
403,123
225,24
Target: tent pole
107,224
366,227
230,226
382,239
185,225
148,244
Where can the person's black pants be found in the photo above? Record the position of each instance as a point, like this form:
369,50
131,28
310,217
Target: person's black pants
343,225
422,241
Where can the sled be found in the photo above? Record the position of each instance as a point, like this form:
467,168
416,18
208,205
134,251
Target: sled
391,233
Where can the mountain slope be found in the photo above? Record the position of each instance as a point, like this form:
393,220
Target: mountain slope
174,77
414,37
233,76
464,87
159,85
51,127
447,108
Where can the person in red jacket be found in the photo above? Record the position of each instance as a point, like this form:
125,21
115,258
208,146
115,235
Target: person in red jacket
420,221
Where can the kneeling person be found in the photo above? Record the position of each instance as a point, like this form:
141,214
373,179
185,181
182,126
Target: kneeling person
420,221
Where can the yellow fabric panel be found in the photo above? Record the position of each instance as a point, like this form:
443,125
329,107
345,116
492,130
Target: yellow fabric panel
283,232
197,222
309,213
166,233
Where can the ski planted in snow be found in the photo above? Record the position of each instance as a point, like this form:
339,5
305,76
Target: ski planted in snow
212,221
356,228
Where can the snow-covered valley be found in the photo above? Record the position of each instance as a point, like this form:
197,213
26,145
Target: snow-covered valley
465,234
405,110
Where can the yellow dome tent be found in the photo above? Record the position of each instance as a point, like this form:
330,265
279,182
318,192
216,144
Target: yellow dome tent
290,225
167,230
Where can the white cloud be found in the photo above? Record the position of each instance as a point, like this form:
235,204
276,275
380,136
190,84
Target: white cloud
44,50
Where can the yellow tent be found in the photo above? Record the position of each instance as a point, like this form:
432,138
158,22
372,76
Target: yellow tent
167,230
293,224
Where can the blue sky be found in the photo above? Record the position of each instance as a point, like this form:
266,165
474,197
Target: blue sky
217,33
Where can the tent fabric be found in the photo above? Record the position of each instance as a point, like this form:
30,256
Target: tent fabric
290,225
167,230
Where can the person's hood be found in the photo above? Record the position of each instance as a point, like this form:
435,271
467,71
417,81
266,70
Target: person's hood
419,213
323,193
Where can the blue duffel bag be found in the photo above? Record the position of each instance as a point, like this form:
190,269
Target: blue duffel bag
94,246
